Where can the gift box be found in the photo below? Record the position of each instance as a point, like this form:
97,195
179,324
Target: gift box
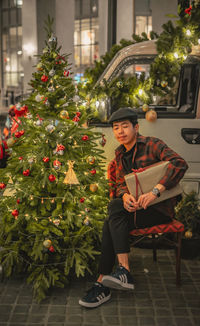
145,179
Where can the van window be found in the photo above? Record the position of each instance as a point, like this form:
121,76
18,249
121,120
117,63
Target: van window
181,98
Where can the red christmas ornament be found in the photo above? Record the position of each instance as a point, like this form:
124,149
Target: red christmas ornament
51,248
78,114
76,119
18,201
45,159
66,73
59,57
2,185
56,163
44,78
60,148
82,200
20,158
18,134
15,212
188,10
93,171
21,111
52,178
26,172
85,138
45,99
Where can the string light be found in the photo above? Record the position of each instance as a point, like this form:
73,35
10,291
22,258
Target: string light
176,55
188,32
140,92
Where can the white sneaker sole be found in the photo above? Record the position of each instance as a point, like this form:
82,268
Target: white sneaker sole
95,304
114,283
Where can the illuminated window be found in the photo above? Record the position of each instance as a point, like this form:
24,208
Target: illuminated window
143,24
86,43
11,50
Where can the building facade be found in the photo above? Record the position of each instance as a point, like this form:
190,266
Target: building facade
86,29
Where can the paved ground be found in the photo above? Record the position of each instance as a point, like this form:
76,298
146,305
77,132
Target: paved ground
155,301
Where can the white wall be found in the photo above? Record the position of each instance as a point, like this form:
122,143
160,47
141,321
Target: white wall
29,38
103,26
159,11
125,19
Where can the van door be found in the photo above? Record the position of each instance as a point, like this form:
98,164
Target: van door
178,118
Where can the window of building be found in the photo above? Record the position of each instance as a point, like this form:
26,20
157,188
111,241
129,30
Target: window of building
143,24
143,17
86,42
11,45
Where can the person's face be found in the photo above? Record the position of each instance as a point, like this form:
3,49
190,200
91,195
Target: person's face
125,133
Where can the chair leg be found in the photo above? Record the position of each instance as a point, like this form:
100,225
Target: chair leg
154,247
178,259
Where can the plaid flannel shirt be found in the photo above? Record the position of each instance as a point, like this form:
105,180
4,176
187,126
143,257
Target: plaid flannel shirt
148,150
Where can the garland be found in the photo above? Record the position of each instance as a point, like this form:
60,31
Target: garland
173,46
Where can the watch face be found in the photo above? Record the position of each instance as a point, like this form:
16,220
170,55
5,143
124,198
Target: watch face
156,192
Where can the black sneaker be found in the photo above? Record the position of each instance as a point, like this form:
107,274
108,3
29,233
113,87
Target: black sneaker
121,279
95,296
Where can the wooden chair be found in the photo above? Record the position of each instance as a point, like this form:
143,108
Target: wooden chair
175,227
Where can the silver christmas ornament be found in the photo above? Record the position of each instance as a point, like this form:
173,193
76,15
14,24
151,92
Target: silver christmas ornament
39,122
51,89
76,98
50,128
38,98
52,72
52,39
30,161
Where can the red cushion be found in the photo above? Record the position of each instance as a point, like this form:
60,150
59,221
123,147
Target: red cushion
174,226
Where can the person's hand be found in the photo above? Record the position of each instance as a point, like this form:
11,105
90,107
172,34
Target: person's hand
145,199
130,203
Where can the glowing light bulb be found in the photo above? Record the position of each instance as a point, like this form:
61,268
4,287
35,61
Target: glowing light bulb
176,55
188,32
185,57
97,104
140,91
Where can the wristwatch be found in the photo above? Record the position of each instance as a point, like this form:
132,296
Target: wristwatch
156,192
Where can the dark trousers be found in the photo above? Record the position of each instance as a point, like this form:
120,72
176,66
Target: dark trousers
115,238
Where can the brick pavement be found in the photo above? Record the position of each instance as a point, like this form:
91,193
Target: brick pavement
155,301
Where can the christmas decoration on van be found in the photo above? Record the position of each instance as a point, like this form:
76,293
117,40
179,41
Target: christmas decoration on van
173,46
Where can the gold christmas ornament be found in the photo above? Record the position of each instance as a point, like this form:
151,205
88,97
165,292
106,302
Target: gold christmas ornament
188,234
56,221
64,114
10,142
47,243
91,160
151,116
70,176
164,83
93,187
145,107
86,221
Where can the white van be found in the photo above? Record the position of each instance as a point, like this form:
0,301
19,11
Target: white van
178,122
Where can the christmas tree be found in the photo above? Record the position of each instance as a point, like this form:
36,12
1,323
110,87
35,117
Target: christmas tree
53,190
